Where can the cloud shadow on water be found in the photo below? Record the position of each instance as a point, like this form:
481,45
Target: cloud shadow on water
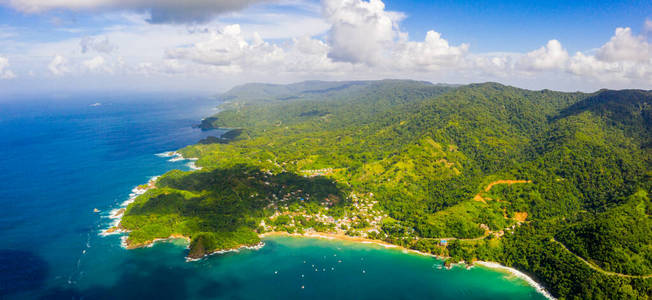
21,271
149,279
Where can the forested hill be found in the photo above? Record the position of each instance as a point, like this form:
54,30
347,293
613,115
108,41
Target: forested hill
263,92
555,184
319,99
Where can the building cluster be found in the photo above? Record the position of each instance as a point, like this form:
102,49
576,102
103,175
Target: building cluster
361,216
319,172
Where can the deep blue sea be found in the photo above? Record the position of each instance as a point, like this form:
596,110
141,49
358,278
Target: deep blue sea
61,158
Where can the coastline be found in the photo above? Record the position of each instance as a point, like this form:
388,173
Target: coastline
486,264
148,244
257,246
341,237
335,236
519,274
176,156
117,214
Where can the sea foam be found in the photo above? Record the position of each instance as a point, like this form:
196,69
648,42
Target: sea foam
518,274
116,214
254,247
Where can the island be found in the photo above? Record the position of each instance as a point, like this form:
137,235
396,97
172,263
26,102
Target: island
553,184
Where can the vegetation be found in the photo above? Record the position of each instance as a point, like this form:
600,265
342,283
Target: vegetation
427,167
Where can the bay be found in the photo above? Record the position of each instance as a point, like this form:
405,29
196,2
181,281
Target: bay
61,157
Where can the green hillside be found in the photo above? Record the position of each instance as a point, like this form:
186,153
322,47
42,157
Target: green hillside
554,184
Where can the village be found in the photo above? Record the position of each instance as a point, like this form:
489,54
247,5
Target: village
361,218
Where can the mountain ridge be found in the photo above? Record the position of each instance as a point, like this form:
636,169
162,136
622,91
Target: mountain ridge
415,155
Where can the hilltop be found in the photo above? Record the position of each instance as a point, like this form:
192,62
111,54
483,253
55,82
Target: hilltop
554,184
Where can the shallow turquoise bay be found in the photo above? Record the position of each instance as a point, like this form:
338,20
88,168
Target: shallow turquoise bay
297,268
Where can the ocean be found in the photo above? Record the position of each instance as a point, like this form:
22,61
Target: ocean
61,157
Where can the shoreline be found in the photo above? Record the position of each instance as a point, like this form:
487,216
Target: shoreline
341,237
149,244
334,236
518,274
257,246
176,156
117,214
486,264
175,236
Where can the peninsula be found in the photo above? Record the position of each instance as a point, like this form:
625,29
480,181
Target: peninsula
553,184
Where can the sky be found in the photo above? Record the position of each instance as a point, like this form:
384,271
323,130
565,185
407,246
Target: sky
209,46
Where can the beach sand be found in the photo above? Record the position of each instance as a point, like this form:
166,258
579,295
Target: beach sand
139,190
486,264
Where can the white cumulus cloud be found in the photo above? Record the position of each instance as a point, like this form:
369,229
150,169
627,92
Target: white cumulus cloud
5,73
623,46
226,50
431,54
623,58
589,65
347,39
361,31
228,47
364,32
549,57
58,66
89,43
94,64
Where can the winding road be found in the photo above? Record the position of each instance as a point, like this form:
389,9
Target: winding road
598,268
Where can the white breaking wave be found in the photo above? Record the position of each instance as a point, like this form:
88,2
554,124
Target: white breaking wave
193,166
518,274
176,156
116,214
254,247
168,154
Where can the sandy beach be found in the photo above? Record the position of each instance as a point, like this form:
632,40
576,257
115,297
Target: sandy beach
486,264
333,236
118,213
516,273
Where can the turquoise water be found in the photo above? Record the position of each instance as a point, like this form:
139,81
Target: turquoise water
60,158
300,268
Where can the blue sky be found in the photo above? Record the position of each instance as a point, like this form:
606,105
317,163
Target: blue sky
211,45
523,25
